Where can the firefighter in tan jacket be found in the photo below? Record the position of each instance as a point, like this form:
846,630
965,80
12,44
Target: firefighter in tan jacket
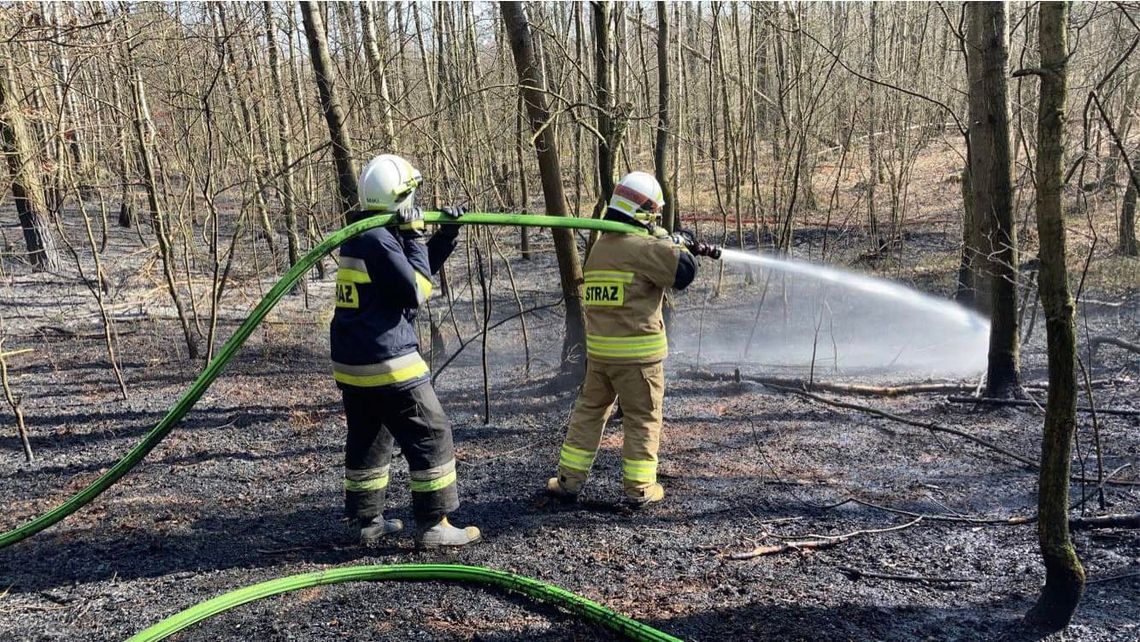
626,276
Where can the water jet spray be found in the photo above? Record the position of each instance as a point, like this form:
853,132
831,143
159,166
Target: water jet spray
819,318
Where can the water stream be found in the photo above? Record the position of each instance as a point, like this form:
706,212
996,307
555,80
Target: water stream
785,315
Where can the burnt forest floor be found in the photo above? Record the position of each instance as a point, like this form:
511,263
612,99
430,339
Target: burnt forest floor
247,487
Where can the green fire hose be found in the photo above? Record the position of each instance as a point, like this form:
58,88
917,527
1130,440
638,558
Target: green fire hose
540,591
533,588
227,352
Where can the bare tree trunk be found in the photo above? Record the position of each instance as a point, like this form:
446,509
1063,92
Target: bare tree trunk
284,132
991,173
603,90
970,281
1123,127
330,104
1064,575
122,144
144,133
872,139
14,402
376,66
524,191
546,147
27,188
1127,245
661,144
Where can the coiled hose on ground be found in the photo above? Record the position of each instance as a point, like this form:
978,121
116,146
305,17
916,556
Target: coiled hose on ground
449,572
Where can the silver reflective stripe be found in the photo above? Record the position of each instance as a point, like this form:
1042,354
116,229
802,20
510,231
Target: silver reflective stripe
366,473
435,472
385,367
353,263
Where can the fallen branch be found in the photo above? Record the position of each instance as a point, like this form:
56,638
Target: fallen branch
1096,342
783,547
936,428
1105,521
995,401
74,334
845,388
1016,520
985,443
855,574
1112,578
816,542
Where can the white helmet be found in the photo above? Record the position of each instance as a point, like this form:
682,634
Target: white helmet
638,195
387,183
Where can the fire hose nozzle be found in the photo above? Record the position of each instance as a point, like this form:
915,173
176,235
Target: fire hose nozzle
695,247
705,249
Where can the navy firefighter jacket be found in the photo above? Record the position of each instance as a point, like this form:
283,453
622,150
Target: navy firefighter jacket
383,277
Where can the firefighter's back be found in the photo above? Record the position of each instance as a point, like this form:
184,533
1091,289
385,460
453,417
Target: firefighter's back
625,280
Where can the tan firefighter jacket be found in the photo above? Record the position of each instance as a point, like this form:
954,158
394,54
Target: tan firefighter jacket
626,276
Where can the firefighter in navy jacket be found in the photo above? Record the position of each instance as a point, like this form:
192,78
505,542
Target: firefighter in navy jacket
383,277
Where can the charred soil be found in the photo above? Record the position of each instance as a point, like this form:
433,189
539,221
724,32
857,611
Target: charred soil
247,489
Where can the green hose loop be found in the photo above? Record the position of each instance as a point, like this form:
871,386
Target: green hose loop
227,351
532,588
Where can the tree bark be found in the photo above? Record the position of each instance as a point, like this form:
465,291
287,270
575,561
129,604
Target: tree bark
661,144
376,69
873,155
546,148
1127,245
284,133
991,173
603,90
970,281
144,135
317,38
1064,575
27,187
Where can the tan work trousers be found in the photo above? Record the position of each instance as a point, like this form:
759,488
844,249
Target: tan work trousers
641,389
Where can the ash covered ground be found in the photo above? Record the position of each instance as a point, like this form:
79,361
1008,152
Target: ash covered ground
247,487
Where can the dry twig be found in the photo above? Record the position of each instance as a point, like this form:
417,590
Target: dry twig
816,541
993,401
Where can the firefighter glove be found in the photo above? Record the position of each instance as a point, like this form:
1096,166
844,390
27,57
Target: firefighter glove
684,238
411,221
451,211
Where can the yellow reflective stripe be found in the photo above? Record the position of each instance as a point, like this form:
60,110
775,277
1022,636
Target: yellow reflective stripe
380,483
626,341
406,373
614,276
638,346
622,204
349,275
384,367
423,287
432,485
648,347
639,471
576,458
